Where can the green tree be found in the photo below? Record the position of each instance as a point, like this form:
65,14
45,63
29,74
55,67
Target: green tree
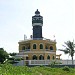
12,54
3,55
69,49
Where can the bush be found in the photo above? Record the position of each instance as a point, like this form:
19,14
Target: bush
41,65
11,58
52,63
66,68
3,55
18,59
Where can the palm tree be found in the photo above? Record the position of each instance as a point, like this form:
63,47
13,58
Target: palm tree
69,49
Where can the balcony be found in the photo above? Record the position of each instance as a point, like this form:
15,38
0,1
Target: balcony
37,39
45,50
25,50
49,50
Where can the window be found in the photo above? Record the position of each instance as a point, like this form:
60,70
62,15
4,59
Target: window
34,57
53,57
23,48
41,57
41,46
34,46
48,57
51,48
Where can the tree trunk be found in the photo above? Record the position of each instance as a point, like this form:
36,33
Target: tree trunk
72,61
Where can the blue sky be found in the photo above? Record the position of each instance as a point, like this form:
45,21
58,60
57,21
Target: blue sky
16,20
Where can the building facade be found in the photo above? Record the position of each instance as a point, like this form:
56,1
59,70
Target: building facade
37,47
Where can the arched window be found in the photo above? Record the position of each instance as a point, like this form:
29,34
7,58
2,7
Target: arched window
53,57
41,46
48,57
34,57
51,48
34,46
23,48
41,57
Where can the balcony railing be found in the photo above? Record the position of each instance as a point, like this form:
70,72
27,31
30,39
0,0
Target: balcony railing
25,50
38,39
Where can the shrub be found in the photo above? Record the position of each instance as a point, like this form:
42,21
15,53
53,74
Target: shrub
52,63
18,59
66,68
41,65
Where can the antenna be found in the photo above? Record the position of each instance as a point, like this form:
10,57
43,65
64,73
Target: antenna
25,37
31,36
54,38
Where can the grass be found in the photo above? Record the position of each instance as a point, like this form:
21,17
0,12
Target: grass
8,69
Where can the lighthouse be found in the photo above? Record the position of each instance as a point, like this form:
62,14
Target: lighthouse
37,23
37,48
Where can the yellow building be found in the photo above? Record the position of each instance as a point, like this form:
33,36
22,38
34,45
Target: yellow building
44,49
38,47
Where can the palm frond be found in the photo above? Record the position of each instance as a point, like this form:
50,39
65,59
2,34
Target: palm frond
69,48
65,51
64,46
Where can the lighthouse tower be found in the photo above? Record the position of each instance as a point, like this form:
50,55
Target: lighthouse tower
37,48
37,23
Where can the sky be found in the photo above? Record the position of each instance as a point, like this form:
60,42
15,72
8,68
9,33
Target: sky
16,20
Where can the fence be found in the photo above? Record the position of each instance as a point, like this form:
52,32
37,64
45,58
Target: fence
45,62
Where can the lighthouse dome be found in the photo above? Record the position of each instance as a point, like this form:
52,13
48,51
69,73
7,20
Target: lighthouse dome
37,12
